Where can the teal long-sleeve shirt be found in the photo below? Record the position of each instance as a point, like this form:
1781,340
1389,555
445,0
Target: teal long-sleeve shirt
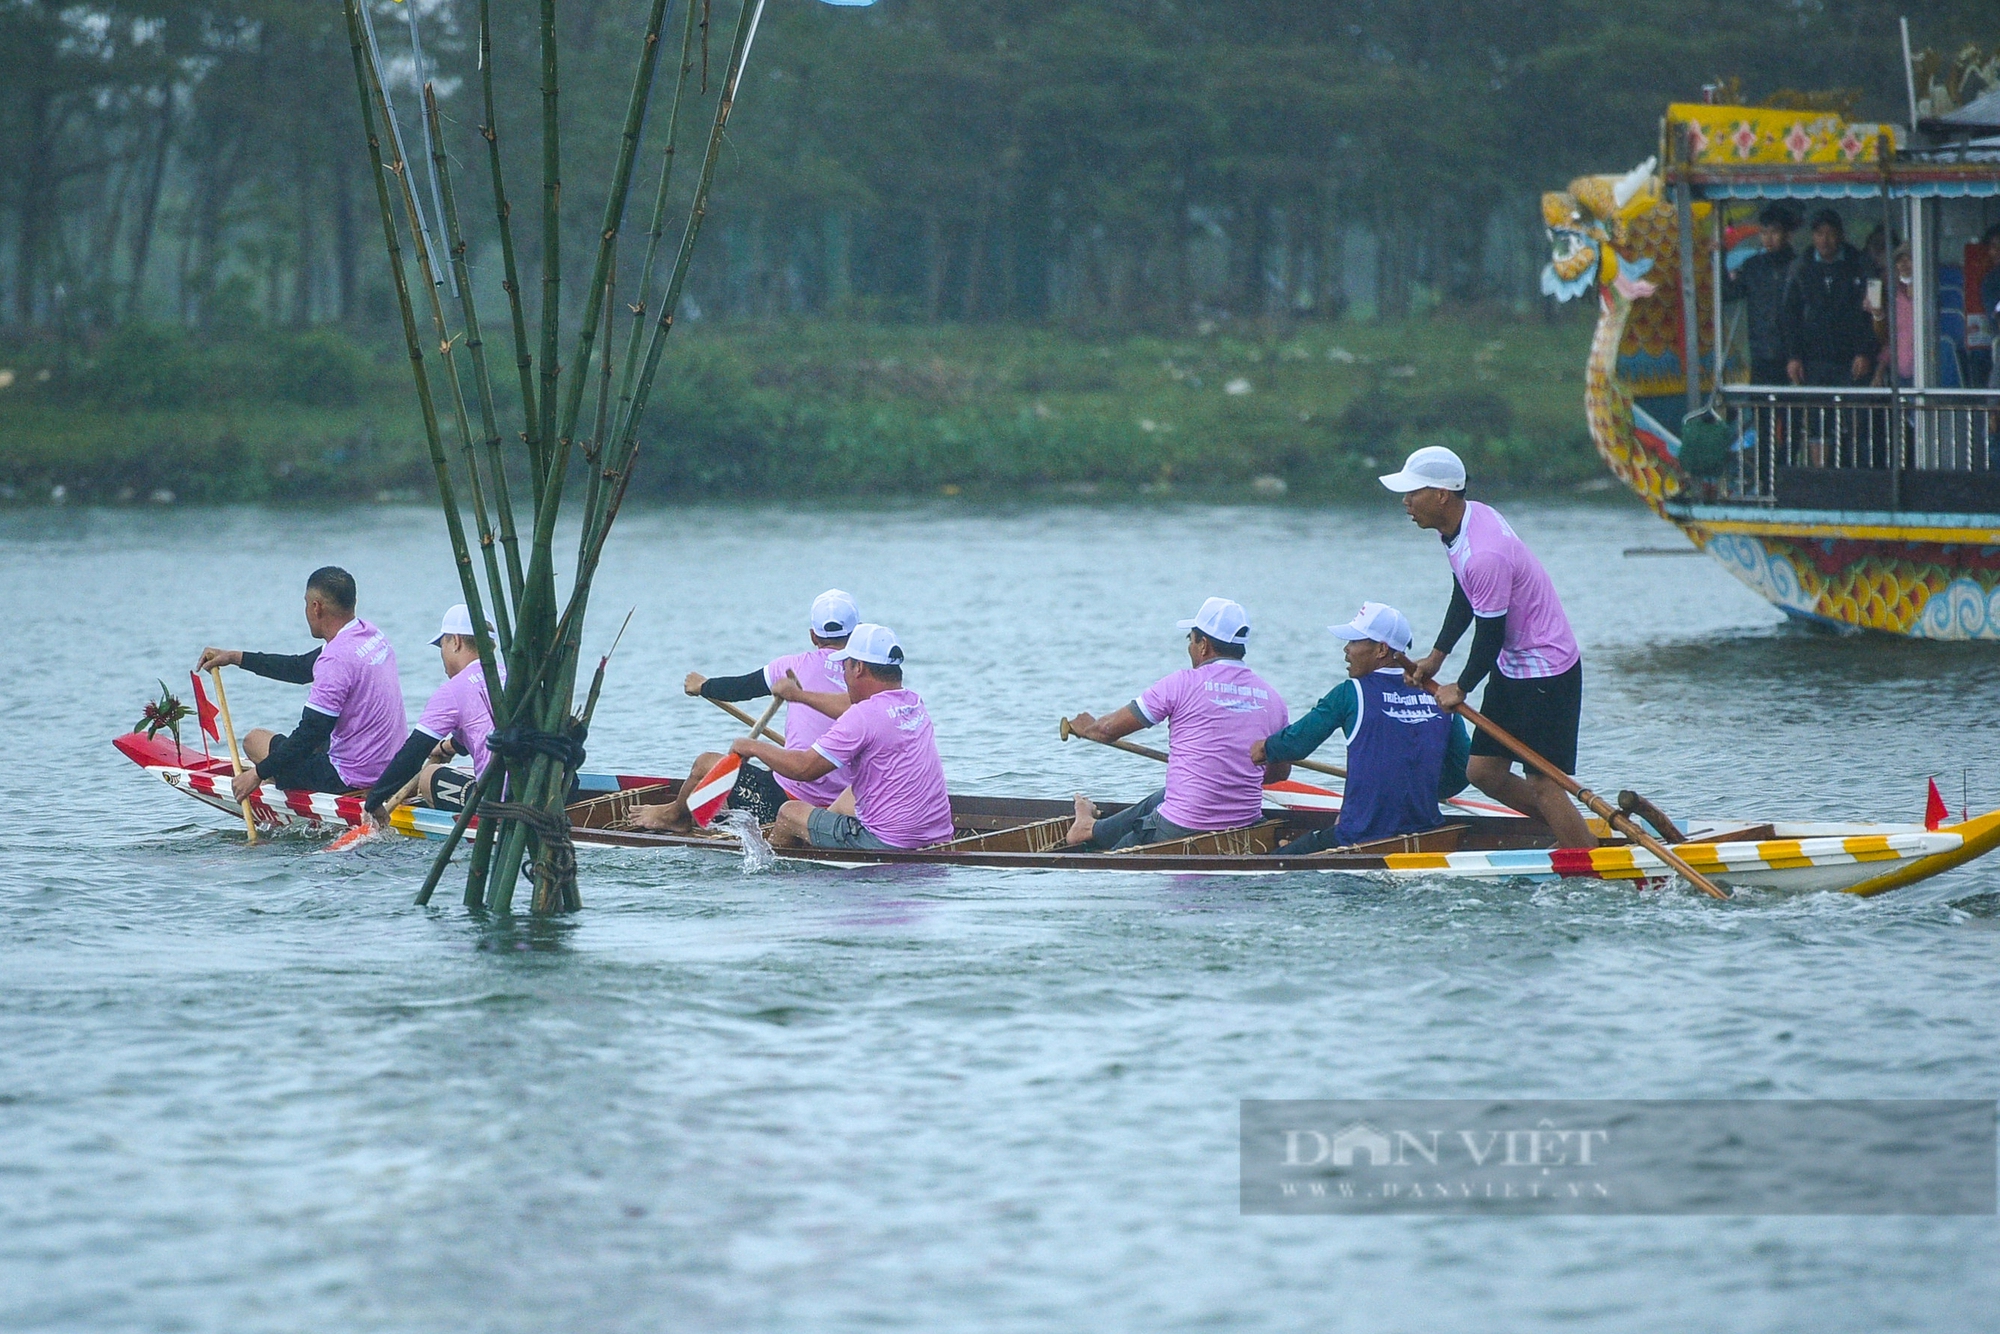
1336,711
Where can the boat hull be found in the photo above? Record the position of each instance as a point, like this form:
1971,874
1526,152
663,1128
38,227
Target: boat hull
1022,834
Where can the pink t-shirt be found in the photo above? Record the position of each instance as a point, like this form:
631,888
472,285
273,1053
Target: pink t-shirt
889,752
460,710
1214,714
1501,576
355,681
804,724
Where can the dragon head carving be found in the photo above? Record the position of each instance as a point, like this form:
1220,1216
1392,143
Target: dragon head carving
1599,230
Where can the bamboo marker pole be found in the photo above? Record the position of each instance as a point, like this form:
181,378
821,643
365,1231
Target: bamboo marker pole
524,360
235,755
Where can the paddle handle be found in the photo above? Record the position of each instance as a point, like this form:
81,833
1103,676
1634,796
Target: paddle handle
777,738
770,712
1610,814
1064,730
235,755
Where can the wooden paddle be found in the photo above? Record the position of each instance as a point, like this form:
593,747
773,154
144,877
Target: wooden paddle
1610,814
235,755
1066,732
709,795
368,828
776,736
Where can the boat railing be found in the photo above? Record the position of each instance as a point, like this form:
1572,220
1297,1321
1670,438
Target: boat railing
1805,447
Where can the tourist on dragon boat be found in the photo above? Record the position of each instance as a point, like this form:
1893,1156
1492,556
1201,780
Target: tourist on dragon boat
1523,642
758,789
881,741
353,718
1404,755
456,721
1215,709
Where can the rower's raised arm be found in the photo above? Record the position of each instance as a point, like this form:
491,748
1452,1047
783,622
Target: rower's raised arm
291,668
1111,727
212,658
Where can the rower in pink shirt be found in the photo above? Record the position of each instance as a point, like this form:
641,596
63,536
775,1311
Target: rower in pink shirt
456,720
881,738
759,790
353,719
1214,710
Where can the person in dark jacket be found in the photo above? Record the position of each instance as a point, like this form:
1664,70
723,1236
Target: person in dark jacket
1760,284
1829,338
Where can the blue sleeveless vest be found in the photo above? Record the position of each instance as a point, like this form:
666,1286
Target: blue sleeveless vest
1395,754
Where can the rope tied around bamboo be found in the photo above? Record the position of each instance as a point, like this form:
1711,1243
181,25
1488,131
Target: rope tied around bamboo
553,865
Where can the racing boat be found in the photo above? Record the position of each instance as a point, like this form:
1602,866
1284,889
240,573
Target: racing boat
1478,841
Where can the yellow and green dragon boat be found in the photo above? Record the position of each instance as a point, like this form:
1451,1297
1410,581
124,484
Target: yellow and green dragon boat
1860,508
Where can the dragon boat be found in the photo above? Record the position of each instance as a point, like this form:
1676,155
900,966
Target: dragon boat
1479,841
1858,508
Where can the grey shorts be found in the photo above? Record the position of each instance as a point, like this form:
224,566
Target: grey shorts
824,829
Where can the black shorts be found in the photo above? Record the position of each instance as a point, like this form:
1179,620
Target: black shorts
312,772
448,789
1542,712
757,792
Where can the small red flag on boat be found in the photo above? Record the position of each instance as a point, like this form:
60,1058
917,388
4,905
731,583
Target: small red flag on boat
712,793
1935,813
208,712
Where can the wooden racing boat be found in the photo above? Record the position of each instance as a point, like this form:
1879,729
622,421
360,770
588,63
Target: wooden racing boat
1026,833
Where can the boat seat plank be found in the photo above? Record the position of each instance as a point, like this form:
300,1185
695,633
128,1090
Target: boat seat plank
1252,841
1754,833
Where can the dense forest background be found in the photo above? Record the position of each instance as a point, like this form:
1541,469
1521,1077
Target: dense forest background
998,245
1116,161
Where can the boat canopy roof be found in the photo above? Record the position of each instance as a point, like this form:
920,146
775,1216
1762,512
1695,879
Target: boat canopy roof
1726,152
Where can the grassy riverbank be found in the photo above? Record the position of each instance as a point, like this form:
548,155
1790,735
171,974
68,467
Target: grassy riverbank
818,407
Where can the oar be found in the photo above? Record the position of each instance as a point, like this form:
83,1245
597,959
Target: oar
777,737
368,828
709,795
235,755
1610,814
1066,731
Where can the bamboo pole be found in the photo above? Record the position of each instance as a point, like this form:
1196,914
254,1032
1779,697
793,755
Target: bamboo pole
468,446
551,372
367,79
475,346
658,228
235,755
539,600
524,361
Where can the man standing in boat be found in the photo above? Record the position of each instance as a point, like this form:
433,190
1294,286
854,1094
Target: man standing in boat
758,790
1215,709
353,719
1404,755
1523,642
881,741
457,720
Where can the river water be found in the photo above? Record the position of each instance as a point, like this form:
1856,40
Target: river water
254,1089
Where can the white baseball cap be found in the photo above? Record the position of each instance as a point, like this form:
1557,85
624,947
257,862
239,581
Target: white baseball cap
457,621
1220,619
871,643
1380,622
834,614
1433,465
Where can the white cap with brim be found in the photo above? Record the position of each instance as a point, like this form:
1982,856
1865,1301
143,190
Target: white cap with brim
834,614
1220,619
1433,465
873,644
1380,622
457,621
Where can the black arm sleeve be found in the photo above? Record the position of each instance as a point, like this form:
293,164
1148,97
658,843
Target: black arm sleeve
1456,617
750,685
409,760
1485,651
293,668
315,729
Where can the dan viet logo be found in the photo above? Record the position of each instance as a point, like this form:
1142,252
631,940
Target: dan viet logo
1543,1146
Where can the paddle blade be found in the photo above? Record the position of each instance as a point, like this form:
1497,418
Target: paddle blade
353,837
712,793
1935,813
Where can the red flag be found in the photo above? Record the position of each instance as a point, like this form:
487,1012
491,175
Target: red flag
208,712
1935,813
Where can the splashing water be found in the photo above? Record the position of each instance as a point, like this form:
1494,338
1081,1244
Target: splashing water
757,854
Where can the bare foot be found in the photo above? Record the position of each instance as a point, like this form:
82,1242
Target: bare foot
1086,822
671,818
